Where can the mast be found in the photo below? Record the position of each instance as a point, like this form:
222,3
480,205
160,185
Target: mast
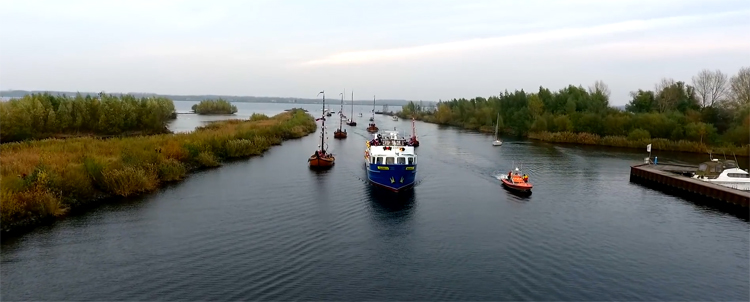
351,118
323,125
497,124
342,109
373,108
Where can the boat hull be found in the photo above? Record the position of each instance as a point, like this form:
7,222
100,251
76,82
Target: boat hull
339,134
497,143
321,162
372,129
396,178
517,186
352,123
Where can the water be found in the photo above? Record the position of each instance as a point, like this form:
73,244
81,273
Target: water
270,229
188,122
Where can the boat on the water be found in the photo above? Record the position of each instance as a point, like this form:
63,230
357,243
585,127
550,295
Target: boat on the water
351,121
413,141
360,114
321,159
497,141
394,118
516,182
339,133
390,162
723,172
371,127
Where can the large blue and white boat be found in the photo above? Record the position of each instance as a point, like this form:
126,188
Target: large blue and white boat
390,161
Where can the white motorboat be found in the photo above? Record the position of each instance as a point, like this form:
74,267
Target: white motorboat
724,172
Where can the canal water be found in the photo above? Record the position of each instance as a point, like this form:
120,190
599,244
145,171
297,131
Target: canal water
269,228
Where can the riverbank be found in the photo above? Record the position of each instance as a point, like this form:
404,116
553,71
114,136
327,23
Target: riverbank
614,141
43,180
623,142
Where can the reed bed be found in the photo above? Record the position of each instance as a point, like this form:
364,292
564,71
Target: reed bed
44,179
625,142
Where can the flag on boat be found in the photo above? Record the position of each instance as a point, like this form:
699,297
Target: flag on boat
322,118
648,148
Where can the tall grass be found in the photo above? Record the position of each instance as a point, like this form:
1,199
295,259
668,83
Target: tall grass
43,115
637,142
43,179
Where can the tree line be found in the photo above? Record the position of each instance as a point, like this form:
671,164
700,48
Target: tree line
713,109
217,106
44,115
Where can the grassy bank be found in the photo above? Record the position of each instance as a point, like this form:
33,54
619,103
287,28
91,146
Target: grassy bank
624,142
42,180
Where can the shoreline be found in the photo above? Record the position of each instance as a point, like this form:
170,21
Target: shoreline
47,180
588,139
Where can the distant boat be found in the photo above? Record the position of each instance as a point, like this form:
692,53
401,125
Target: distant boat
360,114
394,118
497,141
321,158
339,133
390,162
351,121
371,127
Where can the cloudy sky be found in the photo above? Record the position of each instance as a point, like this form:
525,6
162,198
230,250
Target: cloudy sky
413,49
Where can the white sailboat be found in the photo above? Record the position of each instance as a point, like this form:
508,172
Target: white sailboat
497,141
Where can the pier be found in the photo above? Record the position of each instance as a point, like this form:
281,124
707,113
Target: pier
672,178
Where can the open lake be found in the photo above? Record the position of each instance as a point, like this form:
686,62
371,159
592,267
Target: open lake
269,228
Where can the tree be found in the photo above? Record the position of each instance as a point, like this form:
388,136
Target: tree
740,87
600,88
536,106
711,86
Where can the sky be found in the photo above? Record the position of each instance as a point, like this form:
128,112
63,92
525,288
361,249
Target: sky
411,49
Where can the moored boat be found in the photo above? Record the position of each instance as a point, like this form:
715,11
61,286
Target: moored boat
321,159
723,172
517,182
390,162
394,118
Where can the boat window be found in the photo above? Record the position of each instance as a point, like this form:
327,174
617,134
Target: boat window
411,160
702,167
738,175
379,161
714,169
372,160
401,160
389,160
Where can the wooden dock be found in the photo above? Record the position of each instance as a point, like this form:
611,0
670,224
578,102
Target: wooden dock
668,177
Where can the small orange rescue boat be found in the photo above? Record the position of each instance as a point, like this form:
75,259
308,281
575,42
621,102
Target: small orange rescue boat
321,159
517,182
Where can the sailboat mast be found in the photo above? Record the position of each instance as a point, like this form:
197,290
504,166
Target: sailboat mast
323,125
341,111
351,118
373,108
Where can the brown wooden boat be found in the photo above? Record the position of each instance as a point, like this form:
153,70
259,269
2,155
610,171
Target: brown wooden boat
321,158
339,133
371,127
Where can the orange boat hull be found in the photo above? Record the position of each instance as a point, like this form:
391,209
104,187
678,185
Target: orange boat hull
372,129
321,162
518,184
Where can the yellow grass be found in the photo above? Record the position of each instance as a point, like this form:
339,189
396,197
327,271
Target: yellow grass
43,179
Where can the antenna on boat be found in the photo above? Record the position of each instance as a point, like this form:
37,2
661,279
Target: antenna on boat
725,154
